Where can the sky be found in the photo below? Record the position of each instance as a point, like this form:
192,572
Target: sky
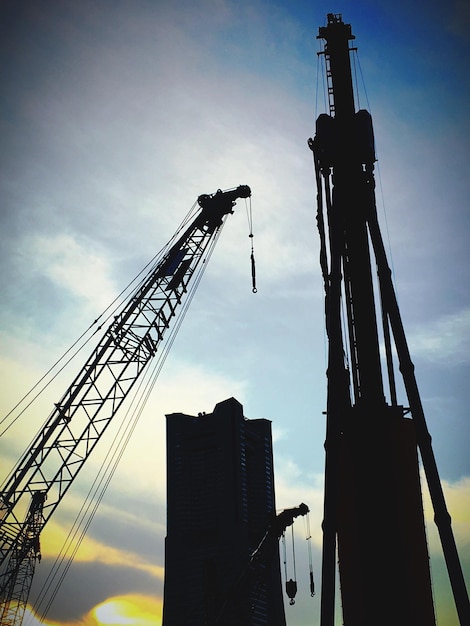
115,116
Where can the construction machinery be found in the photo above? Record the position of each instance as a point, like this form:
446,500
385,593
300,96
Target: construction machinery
242,597
373,513
45,472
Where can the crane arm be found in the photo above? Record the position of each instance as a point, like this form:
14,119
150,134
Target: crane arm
54,458
233,608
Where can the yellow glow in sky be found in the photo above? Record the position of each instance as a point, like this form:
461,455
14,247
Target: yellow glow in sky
136,610
457,496
115,612
91,550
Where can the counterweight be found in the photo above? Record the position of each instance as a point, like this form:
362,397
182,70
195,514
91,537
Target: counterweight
48,467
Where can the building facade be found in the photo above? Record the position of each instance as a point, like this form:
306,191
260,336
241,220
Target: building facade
220,500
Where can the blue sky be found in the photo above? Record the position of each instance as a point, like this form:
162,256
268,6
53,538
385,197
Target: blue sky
114,117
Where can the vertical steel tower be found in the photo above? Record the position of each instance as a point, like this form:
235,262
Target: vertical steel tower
373,513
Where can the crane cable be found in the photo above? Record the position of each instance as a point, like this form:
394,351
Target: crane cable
111,311
293,552
379,176
113,457
121,439
309,549
98,489
284,553
249,214
291,583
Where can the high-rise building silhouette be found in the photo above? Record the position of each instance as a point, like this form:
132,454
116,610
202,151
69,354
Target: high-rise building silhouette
220,501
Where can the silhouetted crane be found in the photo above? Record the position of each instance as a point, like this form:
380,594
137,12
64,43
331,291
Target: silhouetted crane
42,477
373,513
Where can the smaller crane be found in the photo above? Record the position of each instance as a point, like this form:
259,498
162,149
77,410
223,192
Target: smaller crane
47,469
233,612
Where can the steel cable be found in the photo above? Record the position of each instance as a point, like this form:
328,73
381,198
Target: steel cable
113,457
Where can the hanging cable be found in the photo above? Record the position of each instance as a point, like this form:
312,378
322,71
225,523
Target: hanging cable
310,560
115,452
293,552
249,213
291,584
354,56
362,80
284,553
319,71
324,79
110,311
379,176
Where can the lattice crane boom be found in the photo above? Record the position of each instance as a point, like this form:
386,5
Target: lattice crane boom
47,469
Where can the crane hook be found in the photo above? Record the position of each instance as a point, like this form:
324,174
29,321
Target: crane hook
291,590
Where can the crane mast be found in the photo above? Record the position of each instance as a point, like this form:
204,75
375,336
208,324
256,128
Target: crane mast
373,514
47,469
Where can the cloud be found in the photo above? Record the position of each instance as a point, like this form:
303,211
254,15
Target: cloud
445,340
203,387
116,126
135,609
278,433
166,121
143,469
135,500
93,551
294,486
76,267
457,496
